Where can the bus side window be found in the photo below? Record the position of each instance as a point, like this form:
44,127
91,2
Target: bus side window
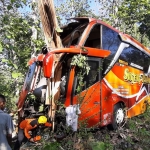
110,41
94,38
145,64
92,77
126,55
135,58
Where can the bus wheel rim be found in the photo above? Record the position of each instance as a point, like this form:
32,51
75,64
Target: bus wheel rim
119,116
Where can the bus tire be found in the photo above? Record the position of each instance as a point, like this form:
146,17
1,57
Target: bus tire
118,119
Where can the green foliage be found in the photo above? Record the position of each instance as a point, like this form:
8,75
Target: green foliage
15,45
74,8
15,75
51,146
80,61
140,130
133,15
1,47
98,146
58,29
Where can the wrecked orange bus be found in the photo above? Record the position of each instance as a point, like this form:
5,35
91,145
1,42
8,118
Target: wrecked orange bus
115,87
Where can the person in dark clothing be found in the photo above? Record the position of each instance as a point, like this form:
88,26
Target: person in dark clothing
30,125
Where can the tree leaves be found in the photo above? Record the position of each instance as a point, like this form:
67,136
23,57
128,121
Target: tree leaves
4,60
1,47
15,46
136,12
74,8
15,75
80,61
58,29
9,7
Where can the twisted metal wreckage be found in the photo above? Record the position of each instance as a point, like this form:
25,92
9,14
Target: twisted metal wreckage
116,79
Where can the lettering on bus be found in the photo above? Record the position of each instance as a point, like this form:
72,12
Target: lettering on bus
135,78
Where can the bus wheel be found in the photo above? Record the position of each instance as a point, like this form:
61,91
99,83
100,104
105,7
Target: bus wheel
118,117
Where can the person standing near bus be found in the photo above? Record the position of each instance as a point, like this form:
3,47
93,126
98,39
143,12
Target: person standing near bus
6,126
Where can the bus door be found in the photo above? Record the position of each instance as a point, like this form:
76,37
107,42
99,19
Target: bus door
89,99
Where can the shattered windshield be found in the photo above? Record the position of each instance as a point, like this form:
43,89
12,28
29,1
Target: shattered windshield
72,33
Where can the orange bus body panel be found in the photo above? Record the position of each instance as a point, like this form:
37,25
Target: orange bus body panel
22,97
90,105
128,84
68,97
95,52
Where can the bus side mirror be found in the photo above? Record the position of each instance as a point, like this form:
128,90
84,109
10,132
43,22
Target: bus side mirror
48,64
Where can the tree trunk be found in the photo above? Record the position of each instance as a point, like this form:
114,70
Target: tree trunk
52,39
49,23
